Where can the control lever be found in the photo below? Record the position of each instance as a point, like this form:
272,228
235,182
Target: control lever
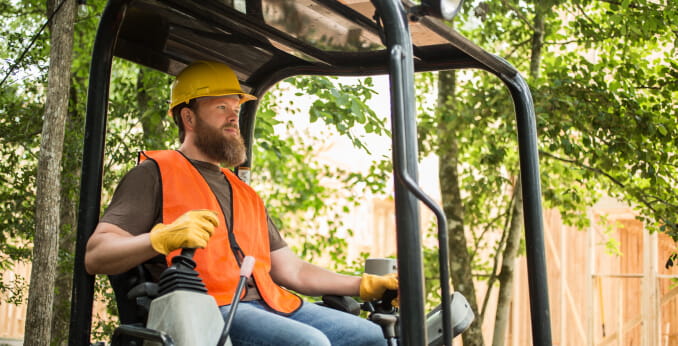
245,272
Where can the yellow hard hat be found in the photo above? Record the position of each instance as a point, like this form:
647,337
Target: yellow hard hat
206,78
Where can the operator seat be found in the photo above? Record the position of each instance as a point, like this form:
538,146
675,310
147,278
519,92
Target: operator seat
134,290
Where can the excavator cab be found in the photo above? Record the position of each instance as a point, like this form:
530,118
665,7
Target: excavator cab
266,41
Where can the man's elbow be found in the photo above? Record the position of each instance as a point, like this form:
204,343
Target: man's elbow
90,269
94,262
99,249
91,264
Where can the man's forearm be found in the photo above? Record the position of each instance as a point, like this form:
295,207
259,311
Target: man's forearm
112,250
319,281
290,271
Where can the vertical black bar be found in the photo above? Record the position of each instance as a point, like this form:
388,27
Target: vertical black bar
410,258
534,229
404,177
82,296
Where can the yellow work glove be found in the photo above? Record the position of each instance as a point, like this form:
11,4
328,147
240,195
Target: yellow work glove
372,287
191,230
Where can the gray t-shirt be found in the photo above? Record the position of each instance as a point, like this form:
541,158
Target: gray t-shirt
137,202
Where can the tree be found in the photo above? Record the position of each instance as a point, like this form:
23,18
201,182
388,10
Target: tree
45,246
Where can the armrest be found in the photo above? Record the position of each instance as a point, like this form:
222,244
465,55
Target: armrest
342,303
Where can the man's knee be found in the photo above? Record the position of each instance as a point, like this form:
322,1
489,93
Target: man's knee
359,332
372,335
315,338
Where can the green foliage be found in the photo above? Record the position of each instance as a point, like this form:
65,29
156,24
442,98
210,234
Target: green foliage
306,198
21,19
342,106
104,321
625,141
21,106
605,107
614,100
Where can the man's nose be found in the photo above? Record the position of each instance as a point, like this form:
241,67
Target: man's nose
233,119
233,115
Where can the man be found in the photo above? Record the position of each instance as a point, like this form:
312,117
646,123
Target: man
184,199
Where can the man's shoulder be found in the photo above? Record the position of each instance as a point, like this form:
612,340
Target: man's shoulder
146,164
145,170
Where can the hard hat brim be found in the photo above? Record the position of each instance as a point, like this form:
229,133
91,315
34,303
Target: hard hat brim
244,97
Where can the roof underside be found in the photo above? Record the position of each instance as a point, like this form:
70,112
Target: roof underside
263,38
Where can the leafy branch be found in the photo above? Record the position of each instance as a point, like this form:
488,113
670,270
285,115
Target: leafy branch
650,6
639,196
520,15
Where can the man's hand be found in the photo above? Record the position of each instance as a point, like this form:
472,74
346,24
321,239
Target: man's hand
372,287
191,230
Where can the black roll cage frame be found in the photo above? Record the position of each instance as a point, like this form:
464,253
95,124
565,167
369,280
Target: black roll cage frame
398,61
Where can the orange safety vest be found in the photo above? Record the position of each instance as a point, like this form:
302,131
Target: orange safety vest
184,189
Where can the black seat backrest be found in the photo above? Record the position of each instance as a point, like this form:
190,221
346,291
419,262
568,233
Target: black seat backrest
129,311
135,289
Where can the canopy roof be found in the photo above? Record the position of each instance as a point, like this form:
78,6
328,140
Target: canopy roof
266,40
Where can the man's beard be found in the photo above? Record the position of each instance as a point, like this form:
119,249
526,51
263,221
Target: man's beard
215,144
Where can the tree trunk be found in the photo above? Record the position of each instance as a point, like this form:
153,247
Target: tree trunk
64,278
70,181
537,40
460,261
46,240
508,267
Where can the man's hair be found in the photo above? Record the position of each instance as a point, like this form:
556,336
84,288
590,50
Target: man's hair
176,114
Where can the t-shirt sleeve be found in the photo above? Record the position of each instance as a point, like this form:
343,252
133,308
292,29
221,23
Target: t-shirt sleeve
137,201
275,240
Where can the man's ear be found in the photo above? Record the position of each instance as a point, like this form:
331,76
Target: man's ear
188,117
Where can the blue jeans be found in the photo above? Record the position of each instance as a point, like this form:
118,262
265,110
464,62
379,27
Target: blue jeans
313,325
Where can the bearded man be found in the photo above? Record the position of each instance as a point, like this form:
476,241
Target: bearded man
184,198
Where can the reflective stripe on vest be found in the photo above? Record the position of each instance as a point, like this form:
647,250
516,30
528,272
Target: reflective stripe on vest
184,189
